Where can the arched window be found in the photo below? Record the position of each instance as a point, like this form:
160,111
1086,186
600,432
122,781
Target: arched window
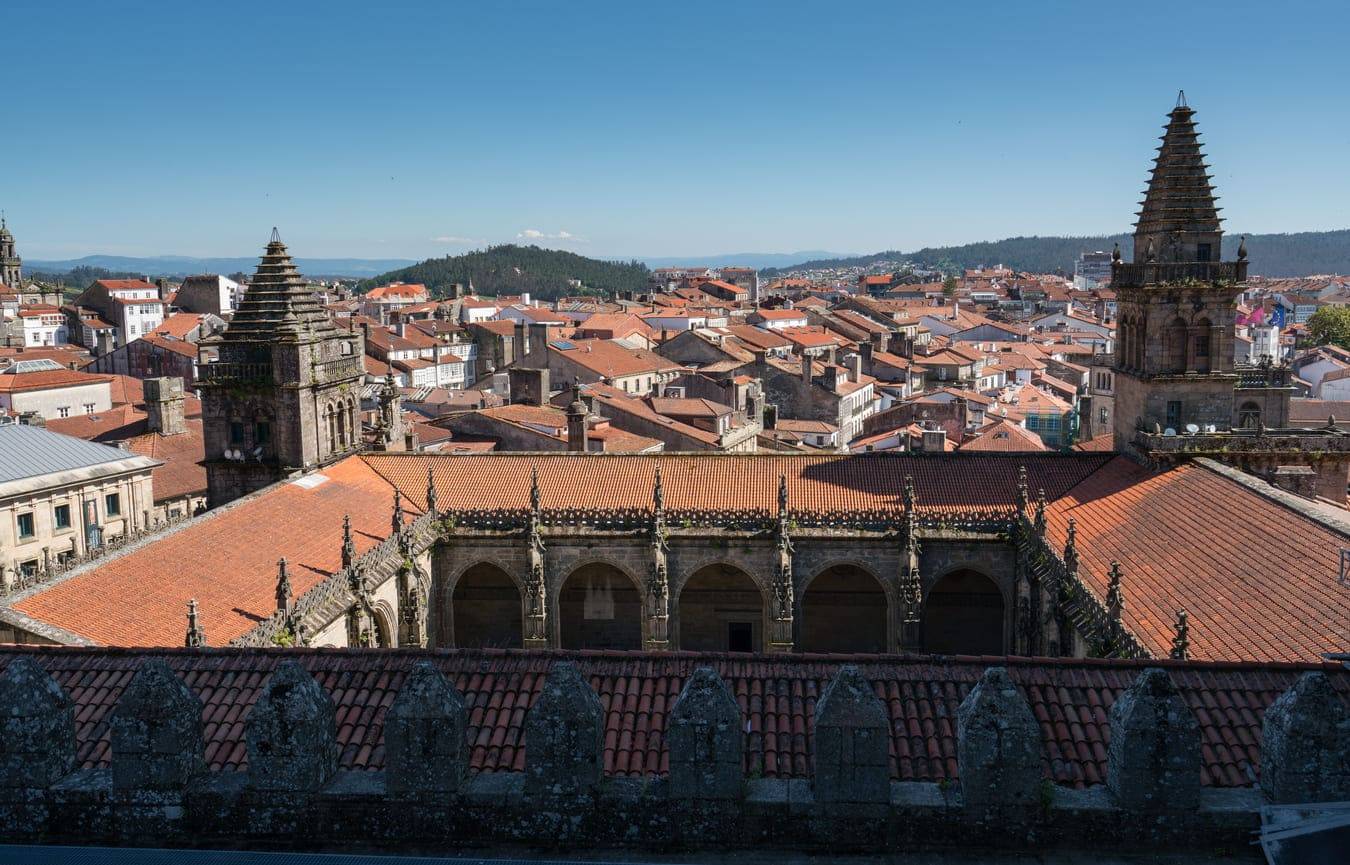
485,610
720,609
1249,415
1202,337
599,608
843,610
341,432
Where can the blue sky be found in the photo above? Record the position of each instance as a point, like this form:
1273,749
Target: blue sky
645,129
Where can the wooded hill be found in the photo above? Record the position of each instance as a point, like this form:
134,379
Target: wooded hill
1302,254
512,269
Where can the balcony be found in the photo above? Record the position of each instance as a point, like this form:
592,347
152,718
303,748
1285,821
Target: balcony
1262,376
1126,274
227,373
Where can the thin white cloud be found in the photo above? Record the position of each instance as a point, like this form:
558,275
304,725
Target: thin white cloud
456,240
536,234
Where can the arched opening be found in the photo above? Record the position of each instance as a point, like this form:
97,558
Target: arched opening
330,420
1203,349
486,609
1176,346
721,610
384,627
341,431
963,615
843,610
1249,415
599,608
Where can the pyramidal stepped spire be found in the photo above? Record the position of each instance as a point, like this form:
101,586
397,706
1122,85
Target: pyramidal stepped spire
1178,220
277,302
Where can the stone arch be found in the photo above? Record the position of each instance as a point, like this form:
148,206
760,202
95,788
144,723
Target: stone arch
720,607
1249,415
599,605
384,624
1176,345
965,613
844,607
480,604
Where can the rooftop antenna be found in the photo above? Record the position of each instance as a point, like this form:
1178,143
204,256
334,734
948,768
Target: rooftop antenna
1181,99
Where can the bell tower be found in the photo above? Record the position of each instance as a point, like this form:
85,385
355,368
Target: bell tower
1176,300
11,266
284,396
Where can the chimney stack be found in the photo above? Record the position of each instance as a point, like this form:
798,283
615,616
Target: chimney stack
164,406
855,366
934,440
577,414
806,368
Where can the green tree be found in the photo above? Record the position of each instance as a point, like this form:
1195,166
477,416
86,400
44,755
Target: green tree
1330,324
949,286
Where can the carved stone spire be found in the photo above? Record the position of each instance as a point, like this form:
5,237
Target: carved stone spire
1071,548
1115,598
396,521
348,545
284,601
1039,521
782,495
534,490
1023,493
658,494
1181,642
1178,211
431,491
195,637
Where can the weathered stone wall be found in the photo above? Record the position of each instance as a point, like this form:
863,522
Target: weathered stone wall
158,793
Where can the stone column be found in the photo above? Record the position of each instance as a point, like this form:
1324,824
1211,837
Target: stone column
998,748
37,727
1305,749
424,745
156,732
564,737
852,742
291,734
706,741
1153,762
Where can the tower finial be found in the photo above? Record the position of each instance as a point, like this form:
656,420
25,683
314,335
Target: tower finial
534,489
283,588
431,490
276,235
1115,595
348,545
782,494
1181,99
396,521
658,493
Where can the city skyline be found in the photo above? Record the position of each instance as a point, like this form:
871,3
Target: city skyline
620,133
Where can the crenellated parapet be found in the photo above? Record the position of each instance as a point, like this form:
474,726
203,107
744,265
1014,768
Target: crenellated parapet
158,791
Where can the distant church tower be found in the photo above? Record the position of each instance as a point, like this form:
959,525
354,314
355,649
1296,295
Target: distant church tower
11,266
1176,300
285,395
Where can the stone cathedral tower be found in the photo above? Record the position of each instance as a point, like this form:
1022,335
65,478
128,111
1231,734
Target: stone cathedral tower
11,266
285,395
1176,300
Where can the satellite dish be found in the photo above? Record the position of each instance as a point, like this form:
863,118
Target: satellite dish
1209,428
1169,432
1192,429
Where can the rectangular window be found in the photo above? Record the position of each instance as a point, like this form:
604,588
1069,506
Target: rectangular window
26,527
61,515
1174,415
63,411
112,505
740,637
1202,345
262,432
236,432
1202,252
89,408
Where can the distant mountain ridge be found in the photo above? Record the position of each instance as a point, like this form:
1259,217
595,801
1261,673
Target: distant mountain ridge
1300,254
742,259
183,265
511,269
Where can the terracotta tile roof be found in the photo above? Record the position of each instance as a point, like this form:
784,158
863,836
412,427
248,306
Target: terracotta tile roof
226,559
611,360
126,285
689,407
1257,579
1006,437
734,481
777,694
398,290
1104,443
180,324
47,379
165,343
182,472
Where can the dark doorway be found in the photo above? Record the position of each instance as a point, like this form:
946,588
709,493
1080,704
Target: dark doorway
843,610
599,608
486,609
963,615
720,610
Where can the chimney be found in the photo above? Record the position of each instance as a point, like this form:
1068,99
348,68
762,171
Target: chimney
1299,480
164,406
855,367
933,441
522,347
529,386
806,368
770,416
576,423
881,341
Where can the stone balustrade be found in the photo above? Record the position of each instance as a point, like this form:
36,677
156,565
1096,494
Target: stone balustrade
293,794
